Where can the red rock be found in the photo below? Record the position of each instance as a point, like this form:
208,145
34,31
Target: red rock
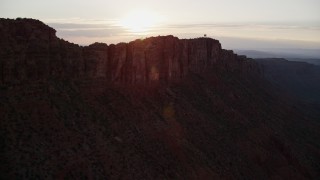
30,51
96,60
205,127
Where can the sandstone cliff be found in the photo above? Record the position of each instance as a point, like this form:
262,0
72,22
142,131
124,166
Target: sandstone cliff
70,112
30,51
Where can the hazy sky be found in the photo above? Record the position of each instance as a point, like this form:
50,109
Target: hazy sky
272,23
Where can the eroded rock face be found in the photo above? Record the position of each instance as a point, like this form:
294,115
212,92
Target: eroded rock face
96,60
24,49
30,51
220,122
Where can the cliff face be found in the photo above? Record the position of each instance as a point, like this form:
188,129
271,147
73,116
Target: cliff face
30,51
72,112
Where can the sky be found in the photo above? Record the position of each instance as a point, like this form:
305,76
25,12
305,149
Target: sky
245,24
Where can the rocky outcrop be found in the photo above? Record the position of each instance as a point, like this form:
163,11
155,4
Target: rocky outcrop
219,122
95,58
30,51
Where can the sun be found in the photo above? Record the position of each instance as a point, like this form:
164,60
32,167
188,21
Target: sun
140,21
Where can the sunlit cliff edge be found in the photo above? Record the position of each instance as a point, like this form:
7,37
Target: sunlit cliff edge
30,51
155,108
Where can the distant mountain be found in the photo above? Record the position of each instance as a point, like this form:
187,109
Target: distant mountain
157,108
310,61
304,55
257,54
300,78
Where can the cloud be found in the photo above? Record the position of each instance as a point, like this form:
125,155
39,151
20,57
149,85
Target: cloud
86,31
297,32
232,35
245,26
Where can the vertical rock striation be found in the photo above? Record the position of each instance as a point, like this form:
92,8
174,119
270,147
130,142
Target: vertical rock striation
30,51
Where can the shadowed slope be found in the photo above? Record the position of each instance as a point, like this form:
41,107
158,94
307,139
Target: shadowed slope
219,120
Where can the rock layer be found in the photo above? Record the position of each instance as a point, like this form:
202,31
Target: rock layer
30,51
61,119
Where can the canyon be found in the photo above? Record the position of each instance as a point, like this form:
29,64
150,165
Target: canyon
154,108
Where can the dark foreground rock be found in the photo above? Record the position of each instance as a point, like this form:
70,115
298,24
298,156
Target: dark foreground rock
158,108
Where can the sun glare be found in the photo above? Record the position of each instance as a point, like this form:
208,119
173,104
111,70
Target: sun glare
140,21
